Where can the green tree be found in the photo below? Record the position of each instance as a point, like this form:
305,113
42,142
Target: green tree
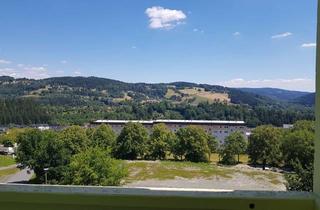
177,148
234,144
159,142
239,142
28,144
7,142
103,137
42,149
89,132
10,136
228,155
298,154
131,143
264,145
194,142
302,179
213,145
298,147
74,139
95,167
304,125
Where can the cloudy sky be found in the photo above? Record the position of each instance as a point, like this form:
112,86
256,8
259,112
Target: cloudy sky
238,43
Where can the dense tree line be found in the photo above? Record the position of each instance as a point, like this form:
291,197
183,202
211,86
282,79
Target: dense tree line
22,112
96,150
63,152
28,111
292,149
205,111
78,100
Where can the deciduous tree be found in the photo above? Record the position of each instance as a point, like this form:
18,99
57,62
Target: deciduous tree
131,143
103,137
194,143
159,142
264,145
95,167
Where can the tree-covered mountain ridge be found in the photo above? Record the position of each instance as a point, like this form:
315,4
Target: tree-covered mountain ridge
80,100
86,90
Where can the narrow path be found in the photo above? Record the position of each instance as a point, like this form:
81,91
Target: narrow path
8,167
21,176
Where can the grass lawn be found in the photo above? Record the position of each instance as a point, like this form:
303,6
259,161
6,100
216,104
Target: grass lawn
6,161
243,158
143,170
166,170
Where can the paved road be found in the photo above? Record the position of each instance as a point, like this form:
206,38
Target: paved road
20,177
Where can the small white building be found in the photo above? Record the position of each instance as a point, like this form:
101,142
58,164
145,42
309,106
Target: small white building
7,150
287,126
217,128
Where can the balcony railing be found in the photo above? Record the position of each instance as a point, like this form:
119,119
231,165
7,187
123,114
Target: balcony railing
44,197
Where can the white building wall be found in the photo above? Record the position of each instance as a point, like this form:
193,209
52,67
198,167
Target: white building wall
220,131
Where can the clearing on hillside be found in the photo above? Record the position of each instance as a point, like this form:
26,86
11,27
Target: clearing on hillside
196,95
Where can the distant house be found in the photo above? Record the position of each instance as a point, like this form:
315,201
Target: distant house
217,128
3,129
7,150
287,126
43,128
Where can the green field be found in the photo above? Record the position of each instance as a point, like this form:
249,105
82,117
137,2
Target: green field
168,170
6,161
162,170
243,158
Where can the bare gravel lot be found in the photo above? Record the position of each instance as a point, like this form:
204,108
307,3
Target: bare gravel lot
202,175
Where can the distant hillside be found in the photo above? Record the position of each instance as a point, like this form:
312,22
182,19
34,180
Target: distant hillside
275,93
306,100
87,90
79,100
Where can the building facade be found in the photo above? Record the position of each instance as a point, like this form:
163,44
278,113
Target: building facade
217,128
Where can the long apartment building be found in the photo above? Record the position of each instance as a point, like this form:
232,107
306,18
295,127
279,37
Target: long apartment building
217,128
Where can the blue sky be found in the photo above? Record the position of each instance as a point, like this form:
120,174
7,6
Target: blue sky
231,42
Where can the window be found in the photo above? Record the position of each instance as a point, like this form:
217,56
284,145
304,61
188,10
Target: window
172,61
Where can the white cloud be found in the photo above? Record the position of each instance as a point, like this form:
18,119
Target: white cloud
301,84
283,35
133,47
34,72
63,62
198,30
237,33
308,45
77,73
8,72
2,61
161,18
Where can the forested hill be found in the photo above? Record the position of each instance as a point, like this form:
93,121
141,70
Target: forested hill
78,100
276,93
83,90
